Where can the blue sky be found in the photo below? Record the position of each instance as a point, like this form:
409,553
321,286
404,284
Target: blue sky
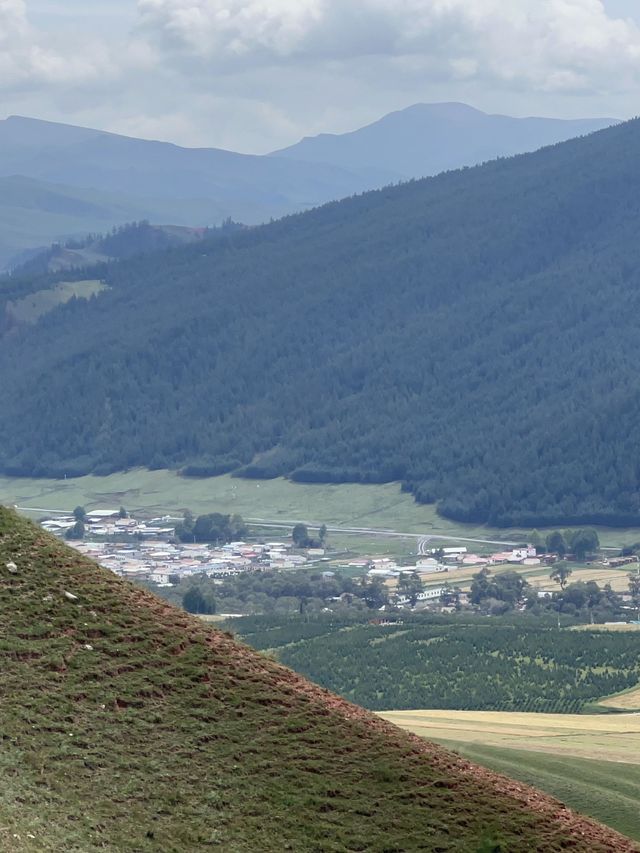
254,75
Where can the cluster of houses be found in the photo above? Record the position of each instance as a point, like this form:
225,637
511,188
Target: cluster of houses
108,522
147,550
449,559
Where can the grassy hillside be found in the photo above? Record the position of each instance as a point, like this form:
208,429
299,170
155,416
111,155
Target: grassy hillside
458,334
31,308
603,789
128,725
591,763
35,213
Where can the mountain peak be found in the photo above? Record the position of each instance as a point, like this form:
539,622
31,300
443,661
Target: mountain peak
427,138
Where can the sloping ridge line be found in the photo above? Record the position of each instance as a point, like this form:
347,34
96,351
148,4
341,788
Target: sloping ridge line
582,828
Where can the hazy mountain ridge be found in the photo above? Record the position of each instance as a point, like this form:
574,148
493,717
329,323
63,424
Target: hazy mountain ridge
60,182
107,690
88,181
426,139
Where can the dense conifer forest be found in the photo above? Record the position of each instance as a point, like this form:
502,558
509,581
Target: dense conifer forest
473,336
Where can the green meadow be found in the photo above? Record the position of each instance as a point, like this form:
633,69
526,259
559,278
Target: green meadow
378,507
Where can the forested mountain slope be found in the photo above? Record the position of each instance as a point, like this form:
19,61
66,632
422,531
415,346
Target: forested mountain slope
58,181
426,139
472,335
35,213
128,725
125,241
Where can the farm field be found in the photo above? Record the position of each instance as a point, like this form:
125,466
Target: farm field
537,577
381,507
591,763
609,737
602,575
627,701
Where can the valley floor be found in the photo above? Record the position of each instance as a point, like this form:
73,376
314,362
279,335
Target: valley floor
381,509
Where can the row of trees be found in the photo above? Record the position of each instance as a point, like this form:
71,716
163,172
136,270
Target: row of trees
507,590
283,592
580,543
213,527
518,663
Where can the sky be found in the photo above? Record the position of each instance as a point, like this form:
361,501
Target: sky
256,75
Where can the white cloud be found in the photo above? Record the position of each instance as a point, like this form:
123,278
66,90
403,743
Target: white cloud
556,44
29,60
255,75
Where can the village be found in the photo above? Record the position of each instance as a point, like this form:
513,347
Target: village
148,550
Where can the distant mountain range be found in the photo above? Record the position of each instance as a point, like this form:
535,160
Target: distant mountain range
427,139
58,181
471,335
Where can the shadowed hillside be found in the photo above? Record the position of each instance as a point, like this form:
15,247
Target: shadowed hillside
472,336
127,725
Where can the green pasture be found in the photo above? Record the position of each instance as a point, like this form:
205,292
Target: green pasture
34,306
606,790
379,507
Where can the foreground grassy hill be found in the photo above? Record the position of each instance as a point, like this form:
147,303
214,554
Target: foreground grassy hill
127,725
591,763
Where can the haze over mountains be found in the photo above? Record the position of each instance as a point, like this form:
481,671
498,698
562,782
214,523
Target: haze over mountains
59,181
472,335
426,139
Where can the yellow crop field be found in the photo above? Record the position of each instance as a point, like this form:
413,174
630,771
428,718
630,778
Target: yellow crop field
611,737
629,701
600,574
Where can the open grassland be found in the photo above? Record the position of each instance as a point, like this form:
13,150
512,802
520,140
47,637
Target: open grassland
129,725
609,737
592,763
380,507
34,306
383,507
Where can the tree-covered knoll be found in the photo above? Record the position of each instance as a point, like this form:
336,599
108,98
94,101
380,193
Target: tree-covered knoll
462,663
472,335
